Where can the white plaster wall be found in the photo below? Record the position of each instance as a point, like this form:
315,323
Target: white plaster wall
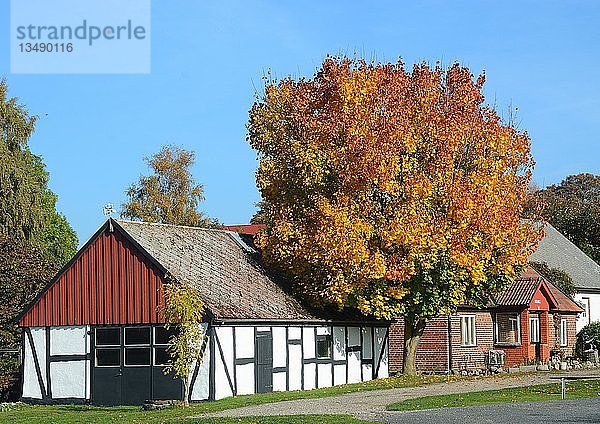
353,336
279,347
31,386
367,349
244,342
279,382
339,343
324,375
295,367
245,379
309,376
200,390
339,374
367,372
353,357
65,340
68,379
222,388
594,298
323,331
379,339
308,342
294,333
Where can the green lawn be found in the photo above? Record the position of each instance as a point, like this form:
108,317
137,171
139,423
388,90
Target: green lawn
575,389
91,414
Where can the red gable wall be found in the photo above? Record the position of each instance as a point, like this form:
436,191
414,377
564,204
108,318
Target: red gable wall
109,282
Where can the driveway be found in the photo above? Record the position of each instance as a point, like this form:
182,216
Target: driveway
371,405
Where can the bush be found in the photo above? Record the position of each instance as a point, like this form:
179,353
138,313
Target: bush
589,332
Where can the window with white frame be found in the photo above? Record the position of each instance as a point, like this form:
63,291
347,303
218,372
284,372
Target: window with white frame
162,338
534,329
137,346
563,332
508,328
467,330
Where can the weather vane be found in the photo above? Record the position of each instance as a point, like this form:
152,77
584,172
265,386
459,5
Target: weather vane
108,209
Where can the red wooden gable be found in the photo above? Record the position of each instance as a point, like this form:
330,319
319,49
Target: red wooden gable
109,281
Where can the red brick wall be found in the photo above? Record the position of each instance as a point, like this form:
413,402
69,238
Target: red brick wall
432,353
469,358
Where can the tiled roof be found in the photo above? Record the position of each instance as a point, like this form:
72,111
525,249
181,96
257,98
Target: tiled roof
519,293
250,229
564,303
222,266
558,252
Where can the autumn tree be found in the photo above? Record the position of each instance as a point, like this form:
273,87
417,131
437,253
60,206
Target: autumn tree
184,311
170,195
573,208
395,191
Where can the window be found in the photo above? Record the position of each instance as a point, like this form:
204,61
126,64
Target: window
508,329
137,346
161,342
585,303
324,346
467,330
110,336
107,356
534,329
563,332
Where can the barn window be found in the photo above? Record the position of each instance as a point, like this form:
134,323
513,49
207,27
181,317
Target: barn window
137,346
161,342
110,336
137,336
467,330
324,346
508,329
108,357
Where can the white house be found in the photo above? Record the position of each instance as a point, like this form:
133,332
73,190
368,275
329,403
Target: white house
559,252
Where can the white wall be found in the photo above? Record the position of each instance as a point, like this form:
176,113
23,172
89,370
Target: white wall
200,389
594,301
68,378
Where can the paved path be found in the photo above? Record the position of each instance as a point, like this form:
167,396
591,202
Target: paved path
371,405
548,412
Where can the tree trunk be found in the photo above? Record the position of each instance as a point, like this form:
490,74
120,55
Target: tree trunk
413,330
186,392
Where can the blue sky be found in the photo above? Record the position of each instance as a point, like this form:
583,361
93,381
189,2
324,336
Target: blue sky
208,59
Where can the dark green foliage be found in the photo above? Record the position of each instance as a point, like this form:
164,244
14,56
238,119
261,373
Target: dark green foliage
35,239
556,276
587,333
573,208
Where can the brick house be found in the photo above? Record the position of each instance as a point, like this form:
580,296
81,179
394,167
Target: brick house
529,321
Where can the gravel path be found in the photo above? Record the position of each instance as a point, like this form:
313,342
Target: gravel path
371,405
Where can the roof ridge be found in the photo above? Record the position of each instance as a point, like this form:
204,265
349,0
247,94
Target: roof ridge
159,224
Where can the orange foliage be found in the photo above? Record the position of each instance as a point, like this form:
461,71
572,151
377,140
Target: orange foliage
391,190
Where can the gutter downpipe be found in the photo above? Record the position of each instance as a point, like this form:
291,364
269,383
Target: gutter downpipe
449,350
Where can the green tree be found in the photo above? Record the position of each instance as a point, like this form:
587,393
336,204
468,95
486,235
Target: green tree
184,310
35,239
170,195
395,191
573,208
24,270
557,276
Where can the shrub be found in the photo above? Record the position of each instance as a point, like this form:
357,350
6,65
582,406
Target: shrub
589,332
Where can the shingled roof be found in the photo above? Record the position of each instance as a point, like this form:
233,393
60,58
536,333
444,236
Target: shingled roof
222,266
558,252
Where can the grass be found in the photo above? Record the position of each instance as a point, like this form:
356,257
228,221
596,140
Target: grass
21,413
575,390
